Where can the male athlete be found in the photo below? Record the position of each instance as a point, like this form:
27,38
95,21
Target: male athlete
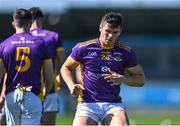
23,56
104,62
54,43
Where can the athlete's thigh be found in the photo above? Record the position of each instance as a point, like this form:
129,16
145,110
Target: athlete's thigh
2,120
87,114
50,106
116,118
3,116
83,121
48,118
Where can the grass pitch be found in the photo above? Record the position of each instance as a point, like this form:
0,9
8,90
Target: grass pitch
137,118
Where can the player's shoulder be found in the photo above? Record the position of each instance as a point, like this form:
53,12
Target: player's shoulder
120,45
37,40
9,39
50,32
87,43
44,32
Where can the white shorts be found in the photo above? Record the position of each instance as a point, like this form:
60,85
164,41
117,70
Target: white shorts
50,104
97,111
28,112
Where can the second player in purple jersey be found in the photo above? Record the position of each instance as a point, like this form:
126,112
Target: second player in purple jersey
95,61
52,41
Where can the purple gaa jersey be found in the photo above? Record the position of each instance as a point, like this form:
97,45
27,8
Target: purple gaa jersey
23,56
54,43
95,61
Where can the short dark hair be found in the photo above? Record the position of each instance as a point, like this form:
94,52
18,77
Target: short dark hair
36,13
22,17
113,18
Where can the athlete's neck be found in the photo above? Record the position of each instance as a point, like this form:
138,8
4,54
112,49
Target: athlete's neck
21,30
106,46
36,24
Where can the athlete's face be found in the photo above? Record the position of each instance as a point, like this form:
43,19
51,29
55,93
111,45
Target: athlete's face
109,34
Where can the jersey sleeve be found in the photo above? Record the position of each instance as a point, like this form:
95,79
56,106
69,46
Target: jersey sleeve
76,53
46,51
1,51
58,40
131,59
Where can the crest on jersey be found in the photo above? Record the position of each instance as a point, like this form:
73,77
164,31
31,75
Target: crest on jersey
117,56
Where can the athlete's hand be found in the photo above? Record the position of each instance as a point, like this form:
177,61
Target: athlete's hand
114,78
58,80
76,89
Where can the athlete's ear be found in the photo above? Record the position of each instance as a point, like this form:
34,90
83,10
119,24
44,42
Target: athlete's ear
13,24
100,27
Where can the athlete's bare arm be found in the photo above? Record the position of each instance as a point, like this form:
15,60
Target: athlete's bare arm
66,72
60,59
135,77
48,74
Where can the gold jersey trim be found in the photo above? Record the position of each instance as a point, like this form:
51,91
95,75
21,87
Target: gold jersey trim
86,43
122,46
75,60
48,60
60,49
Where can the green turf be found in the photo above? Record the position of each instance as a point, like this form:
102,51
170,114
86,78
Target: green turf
64,119
138,119
155,119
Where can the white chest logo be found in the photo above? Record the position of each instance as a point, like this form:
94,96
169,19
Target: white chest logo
92,54
105,69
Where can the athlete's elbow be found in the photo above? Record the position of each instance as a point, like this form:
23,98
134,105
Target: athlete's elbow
62,69
141,83
65,68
